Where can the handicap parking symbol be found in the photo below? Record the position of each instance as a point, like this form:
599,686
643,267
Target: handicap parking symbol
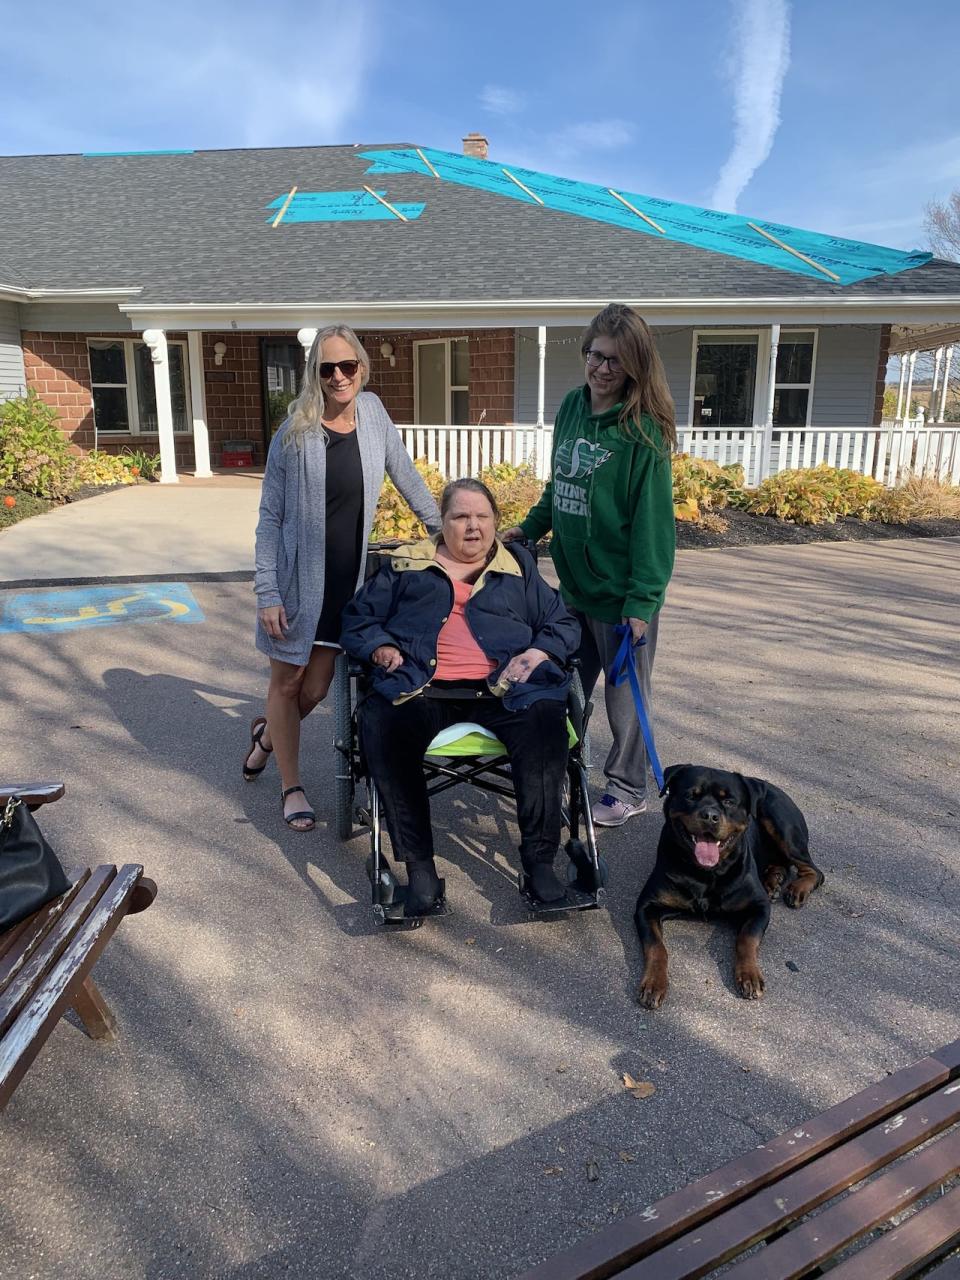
43,612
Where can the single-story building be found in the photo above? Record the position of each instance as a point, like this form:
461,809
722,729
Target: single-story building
165,299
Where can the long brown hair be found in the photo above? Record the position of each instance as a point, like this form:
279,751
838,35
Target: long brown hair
646,390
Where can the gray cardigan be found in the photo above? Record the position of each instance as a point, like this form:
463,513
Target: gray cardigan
290,531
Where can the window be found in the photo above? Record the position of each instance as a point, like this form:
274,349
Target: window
124,390
442,381
725,380
792,393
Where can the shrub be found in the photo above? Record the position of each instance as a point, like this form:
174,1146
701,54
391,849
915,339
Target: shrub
701,486
516,490
34,455
98,468
816,495
394,520
919,498
140,464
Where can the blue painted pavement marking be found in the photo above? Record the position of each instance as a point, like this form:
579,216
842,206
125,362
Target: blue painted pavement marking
42,612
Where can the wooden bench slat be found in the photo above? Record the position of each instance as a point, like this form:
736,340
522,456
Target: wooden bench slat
18,943
903,1250
814,1241
40,959
607,1252
26,1036
776,1206
33,794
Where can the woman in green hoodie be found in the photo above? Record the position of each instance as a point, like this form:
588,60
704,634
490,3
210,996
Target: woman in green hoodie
610,506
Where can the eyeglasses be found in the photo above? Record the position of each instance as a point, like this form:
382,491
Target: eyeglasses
347,367
596,361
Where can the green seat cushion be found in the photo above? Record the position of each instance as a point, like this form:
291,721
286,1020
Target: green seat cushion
468,739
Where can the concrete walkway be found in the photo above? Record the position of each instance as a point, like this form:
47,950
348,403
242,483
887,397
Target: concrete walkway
295,1093
139,531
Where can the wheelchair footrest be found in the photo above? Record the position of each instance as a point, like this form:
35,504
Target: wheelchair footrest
573,900
389,899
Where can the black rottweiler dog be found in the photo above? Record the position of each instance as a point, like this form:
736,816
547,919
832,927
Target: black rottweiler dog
727,846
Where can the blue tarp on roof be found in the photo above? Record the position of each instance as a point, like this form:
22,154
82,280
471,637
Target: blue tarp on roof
341,206
727,233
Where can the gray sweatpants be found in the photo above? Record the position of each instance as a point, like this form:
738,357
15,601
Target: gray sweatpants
626,765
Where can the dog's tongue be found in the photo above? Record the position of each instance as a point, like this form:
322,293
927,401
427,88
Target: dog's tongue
707,852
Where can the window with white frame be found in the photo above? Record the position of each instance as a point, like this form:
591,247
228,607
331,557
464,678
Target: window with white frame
793,392
441,384
124,391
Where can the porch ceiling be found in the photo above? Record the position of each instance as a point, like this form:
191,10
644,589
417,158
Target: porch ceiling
924,337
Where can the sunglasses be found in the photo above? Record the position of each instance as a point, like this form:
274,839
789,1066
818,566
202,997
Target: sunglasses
347,367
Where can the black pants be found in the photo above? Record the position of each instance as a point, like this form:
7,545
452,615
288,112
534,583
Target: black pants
394,739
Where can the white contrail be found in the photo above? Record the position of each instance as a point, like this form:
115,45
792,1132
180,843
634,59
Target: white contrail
762,36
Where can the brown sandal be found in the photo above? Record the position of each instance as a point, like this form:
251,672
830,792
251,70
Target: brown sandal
257,726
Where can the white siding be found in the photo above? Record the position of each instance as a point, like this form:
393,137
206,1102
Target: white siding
13,380
844,386
564,368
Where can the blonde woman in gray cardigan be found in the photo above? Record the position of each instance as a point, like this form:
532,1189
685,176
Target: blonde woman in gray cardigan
324,474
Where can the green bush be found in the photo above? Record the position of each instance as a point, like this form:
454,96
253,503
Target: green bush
816,495
34,455
141,465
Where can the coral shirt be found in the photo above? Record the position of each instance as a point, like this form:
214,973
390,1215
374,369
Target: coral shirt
459,657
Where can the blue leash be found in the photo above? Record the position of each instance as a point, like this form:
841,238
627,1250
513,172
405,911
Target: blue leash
623,668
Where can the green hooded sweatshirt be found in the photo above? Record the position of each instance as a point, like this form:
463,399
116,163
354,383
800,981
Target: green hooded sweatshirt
610,506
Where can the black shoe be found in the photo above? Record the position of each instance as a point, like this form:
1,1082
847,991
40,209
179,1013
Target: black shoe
424,888
542,883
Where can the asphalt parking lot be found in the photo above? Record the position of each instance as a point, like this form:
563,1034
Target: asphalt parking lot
295,1092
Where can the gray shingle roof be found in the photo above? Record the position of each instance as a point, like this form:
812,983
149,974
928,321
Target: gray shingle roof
195,228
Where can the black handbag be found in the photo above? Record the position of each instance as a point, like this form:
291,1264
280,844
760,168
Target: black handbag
30,873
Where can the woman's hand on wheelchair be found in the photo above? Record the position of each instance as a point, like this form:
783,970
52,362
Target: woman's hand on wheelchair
511,534
387,656
519,669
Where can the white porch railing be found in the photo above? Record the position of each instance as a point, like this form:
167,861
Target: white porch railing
887,452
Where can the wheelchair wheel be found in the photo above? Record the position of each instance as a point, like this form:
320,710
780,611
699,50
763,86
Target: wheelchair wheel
343,745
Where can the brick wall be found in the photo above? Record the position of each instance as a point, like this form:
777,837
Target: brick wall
58,367
492,371
881,374
234,392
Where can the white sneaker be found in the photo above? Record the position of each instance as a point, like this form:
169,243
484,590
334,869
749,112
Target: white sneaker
610,812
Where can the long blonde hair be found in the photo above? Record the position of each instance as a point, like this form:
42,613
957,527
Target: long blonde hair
647,391
306,410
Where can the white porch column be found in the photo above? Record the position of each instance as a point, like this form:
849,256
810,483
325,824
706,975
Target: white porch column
156,340
305,337
766,441
198,405
543,463
935,386
903,379
911,362
945,384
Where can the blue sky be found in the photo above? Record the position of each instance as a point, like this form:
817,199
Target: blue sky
838,115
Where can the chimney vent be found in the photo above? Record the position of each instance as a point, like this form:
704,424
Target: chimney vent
475,144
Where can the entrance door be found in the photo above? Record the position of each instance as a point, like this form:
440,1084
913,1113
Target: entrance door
281,363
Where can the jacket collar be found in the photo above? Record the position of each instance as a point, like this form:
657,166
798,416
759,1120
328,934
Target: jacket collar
423,554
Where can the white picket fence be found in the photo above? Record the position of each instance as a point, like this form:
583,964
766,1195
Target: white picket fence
888,452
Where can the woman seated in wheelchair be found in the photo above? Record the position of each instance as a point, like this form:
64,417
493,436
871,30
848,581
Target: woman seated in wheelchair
461,627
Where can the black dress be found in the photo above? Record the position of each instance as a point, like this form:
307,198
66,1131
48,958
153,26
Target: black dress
344,531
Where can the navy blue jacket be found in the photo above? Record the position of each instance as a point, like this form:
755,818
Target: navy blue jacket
510,609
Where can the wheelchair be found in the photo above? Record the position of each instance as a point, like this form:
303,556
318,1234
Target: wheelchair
463,754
